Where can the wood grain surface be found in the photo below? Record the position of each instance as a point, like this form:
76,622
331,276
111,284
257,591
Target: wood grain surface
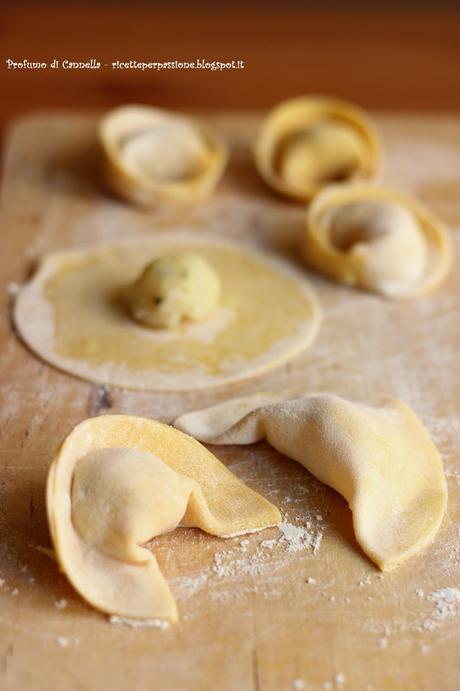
250,620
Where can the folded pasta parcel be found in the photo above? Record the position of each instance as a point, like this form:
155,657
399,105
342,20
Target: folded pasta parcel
378,456
118,481
377,239
154,157
308,142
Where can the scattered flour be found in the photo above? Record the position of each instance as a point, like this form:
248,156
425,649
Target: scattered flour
268,544
339,680
298,684
250,558
191,584
293,538
60,604
365,581
446,604
224,567
223,595
311,581
62,641
298,537
139,623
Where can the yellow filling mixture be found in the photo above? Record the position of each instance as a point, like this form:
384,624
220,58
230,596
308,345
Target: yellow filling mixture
173,289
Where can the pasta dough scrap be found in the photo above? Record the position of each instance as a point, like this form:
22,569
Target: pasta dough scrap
377,239
308,142
378,457
154,158
72,314
118,481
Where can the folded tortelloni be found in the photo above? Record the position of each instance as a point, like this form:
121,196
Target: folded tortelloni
156,158
116,482
377,239
378,457
306,143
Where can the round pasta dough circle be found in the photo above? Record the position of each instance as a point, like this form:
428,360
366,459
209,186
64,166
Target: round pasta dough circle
69,314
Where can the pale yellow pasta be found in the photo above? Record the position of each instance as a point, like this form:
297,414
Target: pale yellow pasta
157,158
379,457
118,481
377,239
308,142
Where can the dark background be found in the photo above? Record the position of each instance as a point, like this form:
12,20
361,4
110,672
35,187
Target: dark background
393,55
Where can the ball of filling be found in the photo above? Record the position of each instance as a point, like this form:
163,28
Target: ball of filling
320,153
387,240
173,289
167,151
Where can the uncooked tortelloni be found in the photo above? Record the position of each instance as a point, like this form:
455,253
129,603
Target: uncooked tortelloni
153,157
118,481
378,456
377,239
308,142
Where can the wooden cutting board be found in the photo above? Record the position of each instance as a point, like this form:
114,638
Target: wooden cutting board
250,618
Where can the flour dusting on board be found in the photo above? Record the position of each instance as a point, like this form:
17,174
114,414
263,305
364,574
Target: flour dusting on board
139,623
293,539
254,557
191,584
298,537
446,604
